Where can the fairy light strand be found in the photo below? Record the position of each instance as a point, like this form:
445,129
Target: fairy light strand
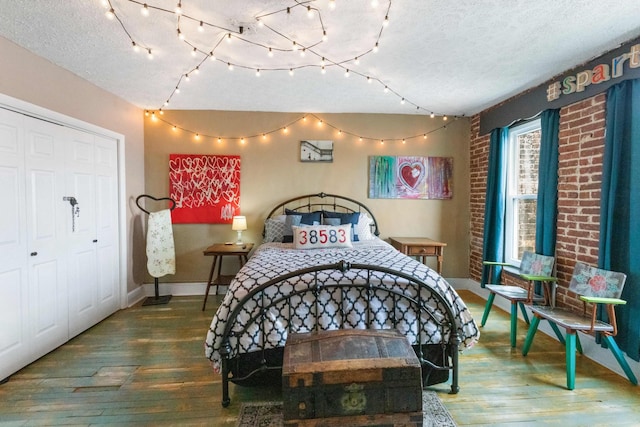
285,129
232,33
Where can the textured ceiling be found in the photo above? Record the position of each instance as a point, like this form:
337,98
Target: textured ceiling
448,57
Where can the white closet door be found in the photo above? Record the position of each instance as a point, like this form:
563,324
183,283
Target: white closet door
81,232
46,243
92,178
59,262
13,246
106,172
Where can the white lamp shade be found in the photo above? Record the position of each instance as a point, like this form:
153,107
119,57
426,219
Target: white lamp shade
239,223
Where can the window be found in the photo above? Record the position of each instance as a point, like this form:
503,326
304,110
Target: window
522,190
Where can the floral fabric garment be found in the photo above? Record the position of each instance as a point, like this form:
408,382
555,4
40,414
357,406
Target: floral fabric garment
161,257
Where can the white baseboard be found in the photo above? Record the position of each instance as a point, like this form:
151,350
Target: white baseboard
176,289
459,283
198,288
591,349
135,296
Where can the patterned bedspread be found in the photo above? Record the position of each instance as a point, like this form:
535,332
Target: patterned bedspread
338,309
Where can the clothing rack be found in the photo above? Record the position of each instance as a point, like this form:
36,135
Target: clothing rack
173,202
157,298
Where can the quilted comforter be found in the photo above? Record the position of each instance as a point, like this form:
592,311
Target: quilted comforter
337,309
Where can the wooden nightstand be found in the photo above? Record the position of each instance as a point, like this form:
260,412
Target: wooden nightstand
218,251
420,247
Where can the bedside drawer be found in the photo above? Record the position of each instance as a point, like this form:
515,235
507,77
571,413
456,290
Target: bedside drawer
420,247
421,250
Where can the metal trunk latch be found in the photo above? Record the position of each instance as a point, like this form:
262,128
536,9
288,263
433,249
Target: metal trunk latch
354,399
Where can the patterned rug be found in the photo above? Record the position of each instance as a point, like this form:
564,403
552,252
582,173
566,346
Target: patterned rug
269,414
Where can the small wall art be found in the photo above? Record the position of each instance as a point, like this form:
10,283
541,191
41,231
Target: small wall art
395,177
316,151
206,188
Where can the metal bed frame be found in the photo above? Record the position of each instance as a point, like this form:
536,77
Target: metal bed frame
269,361
447,326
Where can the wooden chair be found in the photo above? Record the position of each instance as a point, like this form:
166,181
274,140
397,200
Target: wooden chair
533,268
595,287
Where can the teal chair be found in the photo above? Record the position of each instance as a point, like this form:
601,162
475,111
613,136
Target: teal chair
595,287
533,268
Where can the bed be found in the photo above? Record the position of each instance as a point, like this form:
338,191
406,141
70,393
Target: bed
322,266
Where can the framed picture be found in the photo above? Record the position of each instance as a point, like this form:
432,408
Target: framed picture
206,188
400,177
316,151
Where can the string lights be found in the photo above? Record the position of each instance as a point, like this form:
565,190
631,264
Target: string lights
262,21
340,132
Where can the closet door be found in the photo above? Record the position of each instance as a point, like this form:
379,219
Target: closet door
46,241
81,231
14,283
92,180
59,247
108,251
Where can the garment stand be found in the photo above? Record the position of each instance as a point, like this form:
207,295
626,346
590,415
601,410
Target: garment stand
157,299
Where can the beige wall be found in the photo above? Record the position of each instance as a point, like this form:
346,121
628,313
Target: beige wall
33,79
271,172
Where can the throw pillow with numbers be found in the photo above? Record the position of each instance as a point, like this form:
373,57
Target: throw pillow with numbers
322,236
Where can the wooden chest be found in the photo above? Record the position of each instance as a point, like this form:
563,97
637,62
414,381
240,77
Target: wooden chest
351,377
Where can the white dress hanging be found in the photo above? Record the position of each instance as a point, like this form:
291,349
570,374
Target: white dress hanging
161,257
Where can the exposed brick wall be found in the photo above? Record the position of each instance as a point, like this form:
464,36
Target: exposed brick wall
581,146
479,164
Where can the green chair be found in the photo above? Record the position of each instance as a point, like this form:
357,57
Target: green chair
533,268
595,287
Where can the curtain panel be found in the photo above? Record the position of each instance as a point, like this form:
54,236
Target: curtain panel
494,209
547,202
619,247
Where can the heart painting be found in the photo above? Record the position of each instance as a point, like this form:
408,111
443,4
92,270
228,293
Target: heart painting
206,188
412,174
410,177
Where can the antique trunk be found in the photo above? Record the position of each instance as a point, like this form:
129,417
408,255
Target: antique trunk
351,377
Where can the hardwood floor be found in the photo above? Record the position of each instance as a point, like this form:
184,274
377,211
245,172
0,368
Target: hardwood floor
146,366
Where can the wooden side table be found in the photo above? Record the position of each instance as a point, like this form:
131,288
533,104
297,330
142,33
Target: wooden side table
420,247
218,251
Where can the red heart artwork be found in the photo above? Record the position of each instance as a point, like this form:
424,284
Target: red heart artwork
206,188
411,174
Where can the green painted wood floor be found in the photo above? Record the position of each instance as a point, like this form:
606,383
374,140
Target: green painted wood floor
146,366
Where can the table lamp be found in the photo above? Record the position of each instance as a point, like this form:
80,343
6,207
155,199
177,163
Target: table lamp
239,224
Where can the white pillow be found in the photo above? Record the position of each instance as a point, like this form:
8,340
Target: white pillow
322,236
363,228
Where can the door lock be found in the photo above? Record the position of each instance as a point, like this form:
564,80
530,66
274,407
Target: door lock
72,200
75,210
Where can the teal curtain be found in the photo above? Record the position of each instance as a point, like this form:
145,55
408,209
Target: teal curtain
547,203
620,206
493,240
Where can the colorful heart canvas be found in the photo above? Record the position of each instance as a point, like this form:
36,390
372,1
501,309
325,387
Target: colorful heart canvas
404,177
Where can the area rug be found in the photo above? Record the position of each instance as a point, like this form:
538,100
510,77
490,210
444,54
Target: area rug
269,414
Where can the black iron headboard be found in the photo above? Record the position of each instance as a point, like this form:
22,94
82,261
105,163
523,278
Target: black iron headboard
323,201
